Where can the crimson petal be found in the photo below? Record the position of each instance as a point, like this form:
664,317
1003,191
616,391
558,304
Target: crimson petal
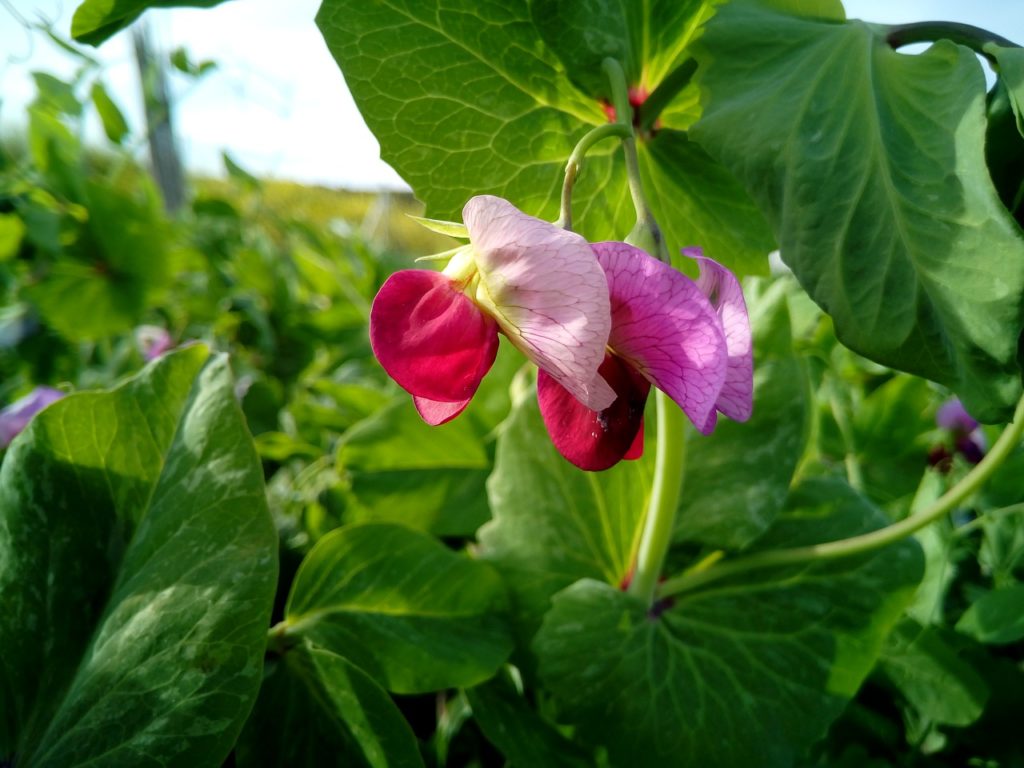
430,337
596,440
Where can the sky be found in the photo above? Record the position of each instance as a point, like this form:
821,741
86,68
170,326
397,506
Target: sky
277,100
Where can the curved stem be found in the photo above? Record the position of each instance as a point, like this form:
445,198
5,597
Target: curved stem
645,233
575,164
669,464
867,542
667,89
975,38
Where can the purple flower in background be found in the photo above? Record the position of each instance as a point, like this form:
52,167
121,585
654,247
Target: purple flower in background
152,341
968,439
953,416
16,416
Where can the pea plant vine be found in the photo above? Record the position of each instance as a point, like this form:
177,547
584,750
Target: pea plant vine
466,532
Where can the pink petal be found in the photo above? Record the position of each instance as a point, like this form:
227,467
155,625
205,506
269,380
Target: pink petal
547,292
430,337
434,412
664,325
596,440
736,399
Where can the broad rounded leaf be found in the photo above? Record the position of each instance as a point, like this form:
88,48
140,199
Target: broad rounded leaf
406,609
318,709
870,166
996,617
465,98
139,568
746,671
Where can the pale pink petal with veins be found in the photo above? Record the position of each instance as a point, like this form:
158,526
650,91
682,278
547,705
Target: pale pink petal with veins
723,290
665,326
547,292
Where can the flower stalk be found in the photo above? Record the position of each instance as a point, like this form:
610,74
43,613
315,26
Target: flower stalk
867,542
669,464
574,166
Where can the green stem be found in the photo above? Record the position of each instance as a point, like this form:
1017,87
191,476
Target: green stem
669,464
575,164
867,542
680,77
975,38
841,413
645,233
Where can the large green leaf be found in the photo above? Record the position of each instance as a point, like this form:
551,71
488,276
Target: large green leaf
747,671
317,709
401,470
554,524
466,99
137,569
648,39
406,609
102,282
870,166
96,20
996,617
942,687
522,735
737,478
1011,70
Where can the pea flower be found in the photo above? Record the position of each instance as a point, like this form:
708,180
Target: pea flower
968,439
152,341
690,339
436,333
16,416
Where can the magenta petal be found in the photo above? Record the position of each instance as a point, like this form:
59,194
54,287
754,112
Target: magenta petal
430,337
725,294
435,413
666,328
596,440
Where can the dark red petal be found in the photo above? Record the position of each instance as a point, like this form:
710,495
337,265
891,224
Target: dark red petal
596,440
434,412
430,337
636,450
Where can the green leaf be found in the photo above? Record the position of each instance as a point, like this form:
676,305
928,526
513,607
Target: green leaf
553,523
926,669
139,568
737,478
996,618
96,20
56,96
315,708
104,282
870,166
12,230
747,671
1011,72
466,99
649,40
524,738
114,124
409,611
403,470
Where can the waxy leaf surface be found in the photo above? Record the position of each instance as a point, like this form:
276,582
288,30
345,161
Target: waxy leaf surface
412,613
137,570
554,524
745,671
466,98
870,166
317,709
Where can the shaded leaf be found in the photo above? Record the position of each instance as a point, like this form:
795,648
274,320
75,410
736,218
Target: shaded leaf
996,618
413,614
746,671
317,709
138,573
870,166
